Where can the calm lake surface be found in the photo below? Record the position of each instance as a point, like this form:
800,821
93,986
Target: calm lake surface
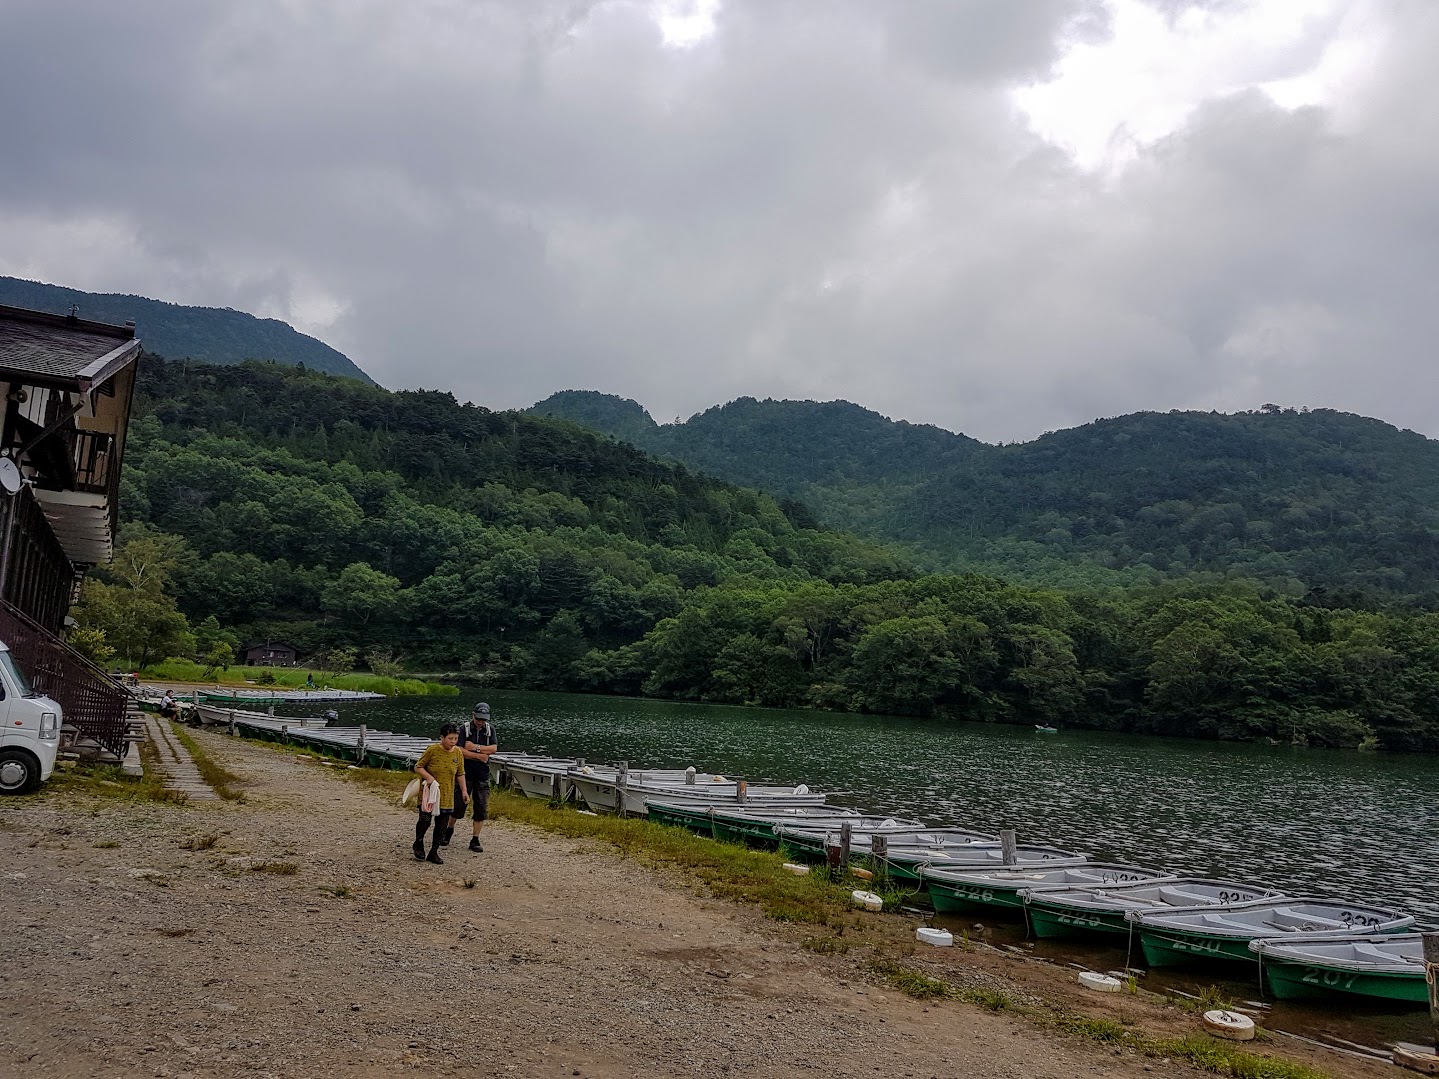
1321,822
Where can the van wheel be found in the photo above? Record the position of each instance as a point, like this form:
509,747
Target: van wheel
19,772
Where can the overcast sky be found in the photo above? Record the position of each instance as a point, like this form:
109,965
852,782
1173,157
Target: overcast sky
999,216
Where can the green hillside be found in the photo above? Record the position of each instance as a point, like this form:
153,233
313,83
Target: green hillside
212,334
275,503
1322,501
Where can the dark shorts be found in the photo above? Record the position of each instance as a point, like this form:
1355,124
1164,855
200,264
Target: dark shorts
479,803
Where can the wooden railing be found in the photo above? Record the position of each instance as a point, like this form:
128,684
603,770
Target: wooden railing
93,704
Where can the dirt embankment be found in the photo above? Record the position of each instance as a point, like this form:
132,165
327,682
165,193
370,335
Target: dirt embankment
294,935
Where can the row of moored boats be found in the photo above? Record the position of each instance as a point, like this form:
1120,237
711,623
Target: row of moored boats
1304,946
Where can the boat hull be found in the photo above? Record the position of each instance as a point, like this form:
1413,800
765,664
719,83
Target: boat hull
1053,920
1309,981
950,896
1169,948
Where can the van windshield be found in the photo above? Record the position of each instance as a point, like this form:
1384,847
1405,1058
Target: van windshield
17,676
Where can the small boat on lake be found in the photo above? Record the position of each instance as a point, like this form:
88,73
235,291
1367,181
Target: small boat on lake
622,790
214,715
535,776
908,851
1389,967
954,888
1060,912
1180,936
758,825
1040,728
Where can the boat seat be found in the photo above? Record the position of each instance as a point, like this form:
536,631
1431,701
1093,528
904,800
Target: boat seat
1178,897
1290,921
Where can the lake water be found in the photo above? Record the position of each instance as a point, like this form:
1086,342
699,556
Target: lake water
1360,825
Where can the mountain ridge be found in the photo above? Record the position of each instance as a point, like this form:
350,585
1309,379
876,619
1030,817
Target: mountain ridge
1300,499
184,331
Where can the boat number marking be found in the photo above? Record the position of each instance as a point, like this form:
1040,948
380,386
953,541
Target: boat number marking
1332,979
1349,917
1234,897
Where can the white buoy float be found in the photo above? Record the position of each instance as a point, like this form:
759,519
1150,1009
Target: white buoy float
797,869
940,938
867,900
1223,1023
1100,983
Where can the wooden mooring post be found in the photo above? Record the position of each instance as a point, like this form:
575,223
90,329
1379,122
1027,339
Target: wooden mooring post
360,744
622,782
1009,847
879,855
1425,1058
1431,968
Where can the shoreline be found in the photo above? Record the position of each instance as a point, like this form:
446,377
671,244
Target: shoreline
314,858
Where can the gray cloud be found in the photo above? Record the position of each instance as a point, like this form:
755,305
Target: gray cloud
822,200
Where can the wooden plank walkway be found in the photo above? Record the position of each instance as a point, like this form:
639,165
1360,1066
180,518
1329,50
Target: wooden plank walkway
176,764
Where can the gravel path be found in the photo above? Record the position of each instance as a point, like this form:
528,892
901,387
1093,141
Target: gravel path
129,954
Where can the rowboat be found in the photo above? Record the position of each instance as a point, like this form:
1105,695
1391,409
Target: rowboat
1179,936
954,888
535,776
908,851
1062,911
1042,729
1389,966
613,790
755,825
214,715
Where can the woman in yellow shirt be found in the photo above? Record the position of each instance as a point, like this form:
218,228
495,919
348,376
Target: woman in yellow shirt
442,764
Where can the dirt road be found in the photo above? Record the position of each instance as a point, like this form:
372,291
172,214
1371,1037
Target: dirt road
129,954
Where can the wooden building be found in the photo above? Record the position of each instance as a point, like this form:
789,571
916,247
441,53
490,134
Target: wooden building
269,654
68,385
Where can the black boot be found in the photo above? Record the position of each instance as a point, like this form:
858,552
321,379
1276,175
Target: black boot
435,844
421,827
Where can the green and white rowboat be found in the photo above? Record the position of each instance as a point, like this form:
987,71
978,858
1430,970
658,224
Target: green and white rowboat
1173,937
957,888
1389,967
1062,912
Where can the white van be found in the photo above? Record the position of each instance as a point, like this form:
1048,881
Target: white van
29,730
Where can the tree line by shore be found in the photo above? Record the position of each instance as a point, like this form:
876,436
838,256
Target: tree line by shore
530,553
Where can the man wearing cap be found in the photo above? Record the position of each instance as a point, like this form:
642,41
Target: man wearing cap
477,742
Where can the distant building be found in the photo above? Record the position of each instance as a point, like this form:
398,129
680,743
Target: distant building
269,654
68,385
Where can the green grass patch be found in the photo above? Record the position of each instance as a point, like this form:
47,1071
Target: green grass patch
912,982
187,670
107,781
727,870
222,781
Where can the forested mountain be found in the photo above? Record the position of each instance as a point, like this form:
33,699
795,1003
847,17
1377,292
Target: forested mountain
211,334
278,503
1307,501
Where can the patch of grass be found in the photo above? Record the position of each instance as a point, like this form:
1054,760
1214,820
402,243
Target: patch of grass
912,982
726,870
107,781
1107,1031
106,844
184,670
279,869
470,882
825,945
201,842
175,932
340,891
995,1000
222,781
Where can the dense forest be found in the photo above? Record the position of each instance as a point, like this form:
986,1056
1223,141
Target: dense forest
283,504
1308,502
209,334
